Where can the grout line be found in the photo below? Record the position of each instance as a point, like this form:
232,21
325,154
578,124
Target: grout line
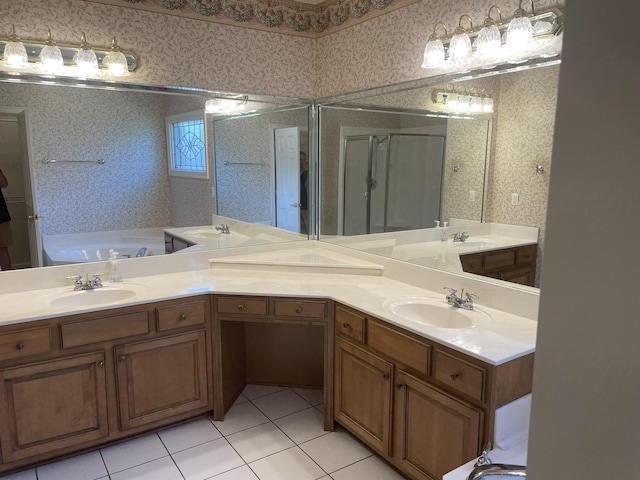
171,456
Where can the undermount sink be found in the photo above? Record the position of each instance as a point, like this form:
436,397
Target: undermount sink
84,298
434,312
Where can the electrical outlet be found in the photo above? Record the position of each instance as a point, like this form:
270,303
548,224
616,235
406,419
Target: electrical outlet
472,195
515,199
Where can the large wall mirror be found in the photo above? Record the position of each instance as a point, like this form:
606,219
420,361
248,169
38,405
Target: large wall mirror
395,159
96,161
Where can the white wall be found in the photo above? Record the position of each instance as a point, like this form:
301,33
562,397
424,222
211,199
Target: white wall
585,419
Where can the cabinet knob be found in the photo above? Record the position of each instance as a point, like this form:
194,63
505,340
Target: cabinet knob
299,310
240,307
183,316
346,325
20,346
101,364
455,376
385,376
122,358
399,386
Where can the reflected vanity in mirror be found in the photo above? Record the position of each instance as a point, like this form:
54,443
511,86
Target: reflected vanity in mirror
486,175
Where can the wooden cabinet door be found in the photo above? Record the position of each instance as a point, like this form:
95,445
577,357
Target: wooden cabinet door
161,378
434,433
362,390
51,405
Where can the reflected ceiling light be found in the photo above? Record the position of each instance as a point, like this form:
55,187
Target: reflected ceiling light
462,101
460,46
85,58
115,61
434,50
489,41
15,55
225,104
50,55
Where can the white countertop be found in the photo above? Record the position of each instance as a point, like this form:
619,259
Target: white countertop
505,337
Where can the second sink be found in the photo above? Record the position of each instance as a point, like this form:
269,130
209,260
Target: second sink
434,312
84,298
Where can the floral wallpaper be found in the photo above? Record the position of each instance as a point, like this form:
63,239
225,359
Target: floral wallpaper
523,139
174,50
126,130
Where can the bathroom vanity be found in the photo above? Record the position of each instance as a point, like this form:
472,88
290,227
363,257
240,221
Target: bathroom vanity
81,376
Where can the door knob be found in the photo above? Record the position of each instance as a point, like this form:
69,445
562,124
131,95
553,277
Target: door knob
35,216
295,205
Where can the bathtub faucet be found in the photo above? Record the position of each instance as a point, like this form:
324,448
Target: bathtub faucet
497,470
86,283
224,228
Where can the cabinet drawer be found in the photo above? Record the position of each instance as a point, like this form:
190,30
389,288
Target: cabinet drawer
104,329
25,342
247,306
350,323
460,375
472,263
177,316
307,309
499,260
400,347
526,254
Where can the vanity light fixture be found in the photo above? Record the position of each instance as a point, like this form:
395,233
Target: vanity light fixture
85,58
115,61
47,57
50,55
463,101
460,46
489,41
434,50
223,105
522,38
15,53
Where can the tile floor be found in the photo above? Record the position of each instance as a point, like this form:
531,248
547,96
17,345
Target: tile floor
271,433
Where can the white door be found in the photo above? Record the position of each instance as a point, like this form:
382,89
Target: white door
33,224
287,153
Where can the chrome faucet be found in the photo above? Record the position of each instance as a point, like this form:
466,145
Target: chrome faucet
224,228
498,470
460,236
86,283
457,302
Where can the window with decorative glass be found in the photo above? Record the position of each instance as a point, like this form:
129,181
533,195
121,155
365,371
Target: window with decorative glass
187,145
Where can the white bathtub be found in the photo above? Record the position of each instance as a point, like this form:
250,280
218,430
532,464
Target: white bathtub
95,246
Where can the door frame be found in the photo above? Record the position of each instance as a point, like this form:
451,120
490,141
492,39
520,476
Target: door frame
36,238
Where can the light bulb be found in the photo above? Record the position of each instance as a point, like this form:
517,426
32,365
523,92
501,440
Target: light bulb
487,105
15,55
115,61
475,104
489,42
85,58
433,53
460,46
51,56
519,33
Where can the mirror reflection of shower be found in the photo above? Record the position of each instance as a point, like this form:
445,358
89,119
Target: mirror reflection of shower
392,182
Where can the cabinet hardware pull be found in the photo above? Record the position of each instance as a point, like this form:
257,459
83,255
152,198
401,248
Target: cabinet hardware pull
299,310
346,325
399,386
183,316
240,307
20,346
385,376
455,376
101,364
122,358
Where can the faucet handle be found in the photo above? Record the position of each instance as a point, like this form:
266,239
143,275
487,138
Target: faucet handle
453,291
97,279
484,459
77,280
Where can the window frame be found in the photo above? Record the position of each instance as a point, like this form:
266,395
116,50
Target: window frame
182,117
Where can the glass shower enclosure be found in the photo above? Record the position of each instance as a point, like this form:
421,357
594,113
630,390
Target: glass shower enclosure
382,173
